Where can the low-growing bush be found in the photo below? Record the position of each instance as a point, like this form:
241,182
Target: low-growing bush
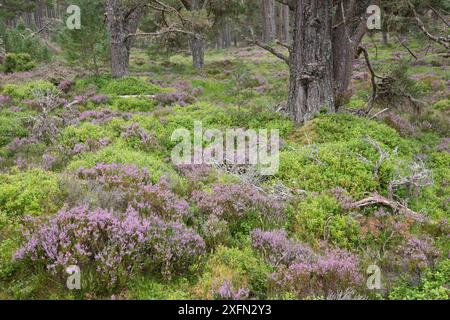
129,86
31,192
25,91
321,217
241,268
18,62
433,285
232,202
277,249
120,153
335,271
118,245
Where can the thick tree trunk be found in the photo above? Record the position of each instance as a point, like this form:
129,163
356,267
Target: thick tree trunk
269,21
198,52
197,44
120,58
122,22
352,26
283,23
286,24
311,62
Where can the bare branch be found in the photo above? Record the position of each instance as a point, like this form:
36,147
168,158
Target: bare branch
267,48
444,41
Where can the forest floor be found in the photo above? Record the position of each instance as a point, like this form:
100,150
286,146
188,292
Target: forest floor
326,166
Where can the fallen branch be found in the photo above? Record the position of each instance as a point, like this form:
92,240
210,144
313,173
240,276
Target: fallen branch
376,199
138,96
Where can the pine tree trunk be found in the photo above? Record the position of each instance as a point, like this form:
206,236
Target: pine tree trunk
286,24
198,52
311,63
269,21
346,39
197,44
122,22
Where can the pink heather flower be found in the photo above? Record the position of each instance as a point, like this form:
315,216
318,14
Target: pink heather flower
227,292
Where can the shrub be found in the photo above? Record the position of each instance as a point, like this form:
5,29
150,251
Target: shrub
99,99
278,249
101,116
134,104
158,199
119,153
321,217
415,255
18,62
233,201
12,125
20,40
227,292
215,231
443,105
240,267
117,247
113,185
139,138
335,271
129,86
433,285
25,91
29,193
170,98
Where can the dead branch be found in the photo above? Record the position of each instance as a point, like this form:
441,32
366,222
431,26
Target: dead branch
403,44
440,16
383,154
377,199
269,49
163,32
137,96
444,41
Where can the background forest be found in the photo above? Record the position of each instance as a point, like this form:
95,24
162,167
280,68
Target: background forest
87,113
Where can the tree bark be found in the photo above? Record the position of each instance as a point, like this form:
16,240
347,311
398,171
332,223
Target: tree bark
123,19
269,21
347,36
283,23
311,62
198,51
196,43
385,38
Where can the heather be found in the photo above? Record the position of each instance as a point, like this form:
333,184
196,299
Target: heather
113,245
86,179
